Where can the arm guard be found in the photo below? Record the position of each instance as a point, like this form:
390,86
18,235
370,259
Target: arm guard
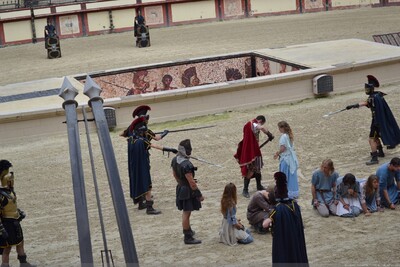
270,136
168,149
164,134
353,106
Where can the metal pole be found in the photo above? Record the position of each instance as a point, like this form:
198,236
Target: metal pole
96,188
92,90
68,93
34,40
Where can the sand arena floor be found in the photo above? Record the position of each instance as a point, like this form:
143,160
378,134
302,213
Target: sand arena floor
43,175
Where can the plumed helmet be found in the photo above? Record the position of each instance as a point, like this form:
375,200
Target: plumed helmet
372,83
281,191
138,125
187,146
372,80
140,111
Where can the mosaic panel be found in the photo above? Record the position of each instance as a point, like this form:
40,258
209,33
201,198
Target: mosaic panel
69,25
233,8
154,15
172,77
311,4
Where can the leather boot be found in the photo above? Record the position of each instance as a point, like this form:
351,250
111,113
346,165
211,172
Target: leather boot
246,183
260,229
374,159
193,232
381,154
23,262
258,180
142,203
150,210
189,239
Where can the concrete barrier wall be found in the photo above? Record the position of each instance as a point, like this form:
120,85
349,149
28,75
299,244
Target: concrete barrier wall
76,20
210,99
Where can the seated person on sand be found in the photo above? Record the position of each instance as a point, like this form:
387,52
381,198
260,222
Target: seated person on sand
259,209
348,192
389,182
323,189
369,197
232,231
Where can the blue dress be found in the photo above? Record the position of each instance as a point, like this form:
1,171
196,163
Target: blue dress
371,200
288,164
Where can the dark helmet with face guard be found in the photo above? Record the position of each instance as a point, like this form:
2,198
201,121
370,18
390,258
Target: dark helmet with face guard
370,86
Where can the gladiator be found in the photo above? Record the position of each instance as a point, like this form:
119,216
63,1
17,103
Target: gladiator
139,138
384,128
188,194
248,153
10,217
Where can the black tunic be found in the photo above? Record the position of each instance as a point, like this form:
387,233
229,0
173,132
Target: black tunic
185,199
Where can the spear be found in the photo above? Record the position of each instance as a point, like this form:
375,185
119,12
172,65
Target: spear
188,129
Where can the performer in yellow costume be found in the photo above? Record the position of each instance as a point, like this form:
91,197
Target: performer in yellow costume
10,218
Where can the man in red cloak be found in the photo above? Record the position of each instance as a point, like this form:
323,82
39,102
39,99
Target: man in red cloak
248,154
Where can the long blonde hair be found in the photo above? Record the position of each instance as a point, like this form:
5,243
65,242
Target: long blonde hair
328,163
286,128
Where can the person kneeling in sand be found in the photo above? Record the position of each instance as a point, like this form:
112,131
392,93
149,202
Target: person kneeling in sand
259,209
232,231
348,192
369,197
323,189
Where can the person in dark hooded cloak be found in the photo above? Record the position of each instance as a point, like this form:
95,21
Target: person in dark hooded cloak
288,243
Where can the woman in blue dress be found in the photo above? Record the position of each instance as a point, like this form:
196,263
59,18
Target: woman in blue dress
288,163
232,231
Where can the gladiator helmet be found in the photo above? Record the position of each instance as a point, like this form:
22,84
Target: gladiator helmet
185,146
6,176
370,86
141,111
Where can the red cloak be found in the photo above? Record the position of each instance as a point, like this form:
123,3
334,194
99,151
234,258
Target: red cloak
248,149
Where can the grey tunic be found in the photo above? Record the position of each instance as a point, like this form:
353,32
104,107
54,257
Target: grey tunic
258,209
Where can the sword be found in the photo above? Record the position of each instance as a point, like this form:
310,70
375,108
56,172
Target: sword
205,161
188,129
263,144
334,112
81,120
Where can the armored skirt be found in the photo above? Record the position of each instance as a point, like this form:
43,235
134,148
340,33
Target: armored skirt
185,200
14,230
